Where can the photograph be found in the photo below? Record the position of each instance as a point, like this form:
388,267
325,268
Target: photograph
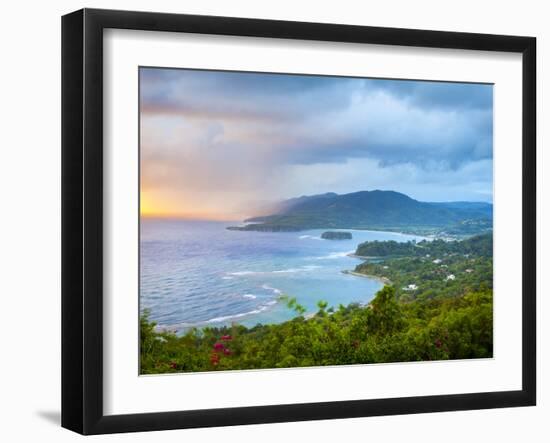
300,220
244,222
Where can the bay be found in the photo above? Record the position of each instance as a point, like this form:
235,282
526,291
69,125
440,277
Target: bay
198,273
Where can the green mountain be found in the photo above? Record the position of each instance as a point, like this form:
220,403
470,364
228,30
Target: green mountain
388,210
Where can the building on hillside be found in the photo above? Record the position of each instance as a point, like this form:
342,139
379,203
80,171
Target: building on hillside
411,287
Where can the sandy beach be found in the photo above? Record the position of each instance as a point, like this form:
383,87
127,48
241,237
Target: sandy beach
383,280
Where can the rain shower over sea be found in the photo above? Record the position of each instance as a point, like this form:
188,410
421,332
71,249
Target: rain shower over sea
198,273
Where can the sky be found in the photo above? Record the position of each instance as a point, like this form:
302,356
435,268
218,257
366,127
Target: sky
226,145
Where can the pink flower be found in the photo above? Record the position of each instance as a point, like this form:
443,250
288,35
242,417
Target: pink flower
227,351
226,337
219,347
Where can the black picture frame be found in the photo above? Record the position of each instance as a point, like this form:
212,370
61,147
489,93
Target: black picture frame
82,218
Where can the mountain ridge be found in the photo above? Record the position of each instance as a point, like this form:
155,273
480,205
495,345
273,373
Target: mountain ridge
377,209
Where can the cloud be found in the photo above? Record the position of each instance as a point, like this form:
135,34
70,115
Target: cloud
473,181
438,95
231,95
329,119
256,135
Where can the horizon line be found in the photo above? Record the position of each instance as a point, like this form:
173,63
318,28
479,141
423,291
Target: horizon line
187,217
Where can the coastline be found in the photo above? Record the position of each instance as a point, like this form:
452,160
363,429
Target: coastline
362,257
383,280
334,260
261,227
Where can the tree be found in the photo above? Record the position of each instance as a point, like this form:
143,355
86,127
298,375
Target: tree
386,317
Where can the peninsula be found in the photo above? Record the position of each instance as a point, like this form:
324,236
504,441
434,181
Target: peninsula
375,210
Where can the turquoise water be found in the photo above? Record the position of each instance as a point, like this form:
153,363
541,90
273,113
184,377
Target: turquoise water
197,273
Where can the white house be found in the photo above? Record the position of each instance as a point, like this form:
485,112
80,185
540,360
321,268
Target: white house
412,287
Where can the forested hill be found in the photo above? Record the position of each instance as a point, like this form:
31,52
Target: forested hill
481,245
431,270
373,210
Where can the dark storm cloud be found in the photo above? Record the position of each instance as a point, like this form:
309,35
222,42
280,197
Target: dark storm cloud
233,94
329,119
442,95
201,129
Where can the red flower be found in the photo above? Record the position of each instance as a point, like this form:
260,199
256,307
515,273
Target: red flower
214,359
173,365
226,337
219,347
227,351
438,343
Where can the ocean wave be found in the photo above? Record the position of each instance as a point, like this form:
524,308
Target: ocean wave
311,237
294,270
234,316
250,296
278,271
334,255
271,288
287,271
177,327
227,277
258,310
239,273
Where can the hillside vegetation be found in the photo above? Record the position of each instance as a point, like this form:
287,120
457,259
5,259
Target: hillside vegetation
386,331
437,305
435,269
382,210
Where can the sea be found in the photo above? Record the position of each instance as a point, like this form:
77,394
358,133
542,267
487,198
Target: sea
198,273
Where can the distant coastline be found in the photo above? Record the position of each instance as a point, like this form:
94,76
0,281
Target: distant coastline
425,232
383,280
375,210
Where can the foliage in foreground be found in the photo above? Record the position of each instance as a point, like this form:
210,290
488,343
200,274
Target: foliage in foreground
385,331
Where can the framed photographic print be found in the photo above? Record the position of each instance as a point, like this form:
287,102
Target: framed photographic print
269,221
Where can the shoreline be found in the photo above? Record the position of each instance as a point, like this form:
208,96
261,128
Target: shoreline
364,257
383,280
182,328
250,318
290,229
